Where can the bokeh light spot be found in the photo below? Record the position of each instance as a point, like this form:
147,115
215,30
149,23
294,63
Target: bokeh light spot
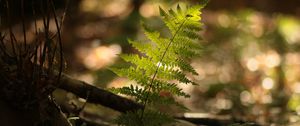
252,64
268,83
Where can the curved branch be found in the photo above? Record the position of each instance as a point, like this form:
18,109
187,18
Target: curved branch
98,95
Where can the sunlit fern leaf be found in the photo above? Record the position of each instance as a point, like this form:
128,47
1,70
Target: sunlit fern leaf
133,91
161,65
143,47
133,74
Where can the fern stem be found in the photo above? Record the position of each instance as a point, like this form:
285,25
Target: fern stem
157,68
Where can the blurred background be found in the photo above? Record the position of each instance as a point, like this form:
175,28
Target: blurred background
249,68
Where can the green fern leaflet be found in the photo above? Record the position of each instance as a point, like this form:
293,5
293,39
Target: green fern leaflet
163,65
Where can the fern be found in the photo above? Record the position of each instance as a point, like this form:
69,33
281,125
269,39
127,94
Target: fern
163,65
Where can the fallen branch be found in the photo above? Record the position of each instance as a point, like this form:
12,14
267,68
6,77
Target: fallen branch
91,93
97,95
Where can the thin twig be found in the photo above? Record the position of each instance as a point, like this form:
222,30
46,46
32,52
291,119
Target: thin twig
59,41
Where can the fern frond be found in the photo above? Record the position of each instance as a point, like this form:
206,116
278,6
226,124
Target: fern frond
162,66
140,46
133,74
133,91
172,88
172,74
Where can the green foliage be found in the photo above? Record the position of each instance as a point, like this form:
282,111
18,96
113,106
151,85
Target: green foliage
163,64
